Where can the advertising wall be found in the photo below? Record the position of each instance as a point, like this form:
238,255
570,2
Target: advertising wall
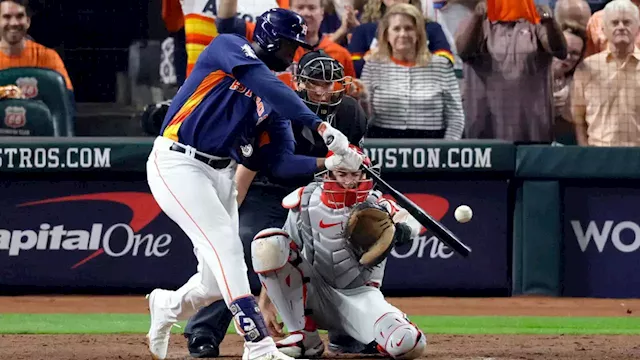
601,241
65,226
98,234
91,234
428,264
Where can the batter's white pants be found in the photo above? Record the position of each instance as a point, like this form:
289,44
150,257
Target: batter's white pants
202,201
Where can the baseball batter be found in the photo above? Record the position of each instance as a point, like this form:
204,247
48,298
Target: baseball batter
322,270
321,84
191,169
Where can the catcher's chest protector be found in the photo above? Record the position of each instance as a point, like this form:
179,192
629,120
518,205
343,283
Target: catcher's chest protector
324,247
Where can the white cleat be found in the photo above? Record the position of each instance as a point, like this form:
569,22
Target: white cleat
160,329
302,344
274,355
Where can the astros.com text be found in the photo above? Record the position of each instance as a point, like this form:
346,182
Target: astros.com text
52,157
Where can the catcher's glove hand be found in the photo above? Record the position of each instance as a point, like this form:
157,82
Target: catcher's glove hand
371,230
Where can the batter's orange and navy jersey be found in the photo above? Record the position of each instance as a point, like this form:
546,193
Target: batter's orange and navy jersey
212,109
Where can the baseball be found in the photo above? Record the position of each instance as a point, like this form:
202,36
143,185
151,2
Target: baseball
463,213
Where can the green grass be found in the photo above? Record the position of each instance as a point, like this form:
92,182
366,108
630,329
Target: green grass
139,324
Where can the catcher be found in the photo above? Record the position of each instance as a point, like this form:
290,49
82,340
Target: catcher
323,269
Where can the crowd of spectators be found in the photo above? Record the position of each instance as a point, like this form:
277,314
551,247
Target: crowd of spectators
518,70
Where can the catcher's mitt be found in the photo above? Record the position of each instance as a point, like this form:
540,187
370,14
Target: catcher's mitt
371,229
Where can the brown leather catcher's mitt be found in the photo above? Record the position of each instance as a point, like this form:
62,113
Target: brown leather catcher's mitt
371,229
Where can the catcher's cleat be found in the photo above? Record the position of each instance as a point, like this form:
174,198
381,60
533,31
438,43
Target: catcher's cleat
345,344
302,344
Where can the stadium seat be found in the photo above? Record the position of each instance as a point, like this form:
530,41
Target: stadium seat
49,87
25,117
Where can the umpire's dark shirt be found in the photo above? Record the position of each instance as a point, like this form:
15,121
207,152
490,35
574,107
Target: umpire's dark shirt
350,119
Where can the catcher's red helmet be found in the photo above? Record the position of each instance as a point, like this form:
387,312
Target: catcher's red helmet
345,188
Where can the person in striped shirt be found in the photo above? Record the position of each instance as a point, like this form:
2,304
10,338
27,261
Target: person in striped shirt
412,94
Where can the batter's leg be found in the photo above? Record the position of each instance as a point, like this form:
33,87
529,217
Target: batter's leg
261,209
285,276
189,192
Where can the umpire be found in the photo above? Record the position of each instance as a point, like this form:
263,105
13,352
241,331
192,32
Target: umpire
321,84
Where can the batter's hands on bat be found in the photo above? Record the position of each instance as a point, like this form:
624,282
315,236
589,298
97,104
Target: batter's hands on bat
350,161
336,141
270,315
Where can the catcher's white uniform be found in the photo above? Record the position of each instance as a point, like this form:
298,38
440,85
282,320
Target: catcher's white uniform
313,276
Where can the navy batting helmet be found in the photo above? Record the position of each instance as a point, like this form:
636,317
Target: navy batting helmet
277,24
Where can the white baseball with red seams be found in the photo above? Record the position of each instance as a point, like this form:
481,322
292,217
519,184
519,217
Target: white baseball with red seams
463,213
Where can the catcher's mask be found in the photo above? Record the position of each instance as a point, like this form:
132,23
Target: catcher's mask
345,188
320,82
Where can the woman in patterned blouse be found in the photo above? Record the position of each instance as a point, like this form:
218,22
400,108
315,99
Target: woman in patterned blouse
412,94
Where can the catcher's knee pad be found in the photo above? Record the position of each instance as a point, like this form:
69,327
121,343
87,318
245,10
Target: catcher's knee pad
270,250
398,337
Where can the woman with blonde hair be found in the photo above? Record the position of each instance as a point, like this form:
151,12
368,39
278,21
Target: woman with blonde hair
363,37
412,94
375,9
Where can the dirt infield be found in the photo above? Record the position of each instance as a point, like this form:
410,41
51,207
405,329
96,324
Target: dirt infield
450,347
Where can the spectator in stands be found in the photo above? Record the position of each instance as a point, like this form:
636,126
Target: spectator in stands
200,20
450,14
508,48
364,37
16,50
606,89
563,71
412,93
340,18
173,19
575,12
597,39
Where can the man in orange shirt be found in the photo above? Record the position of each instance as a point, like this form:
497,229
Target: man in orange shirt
313,12
18,51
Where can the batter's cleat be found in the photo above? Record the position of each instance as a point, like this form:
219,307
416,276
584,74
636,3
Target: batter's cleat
302,344
274,355
160,329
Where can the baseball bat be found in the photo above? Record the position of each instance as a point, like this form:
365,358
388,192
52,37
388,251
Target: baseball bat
423,218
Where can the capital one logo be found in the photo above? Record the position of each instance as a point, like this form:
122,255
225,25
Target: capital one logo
114,240
425,245
609,230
